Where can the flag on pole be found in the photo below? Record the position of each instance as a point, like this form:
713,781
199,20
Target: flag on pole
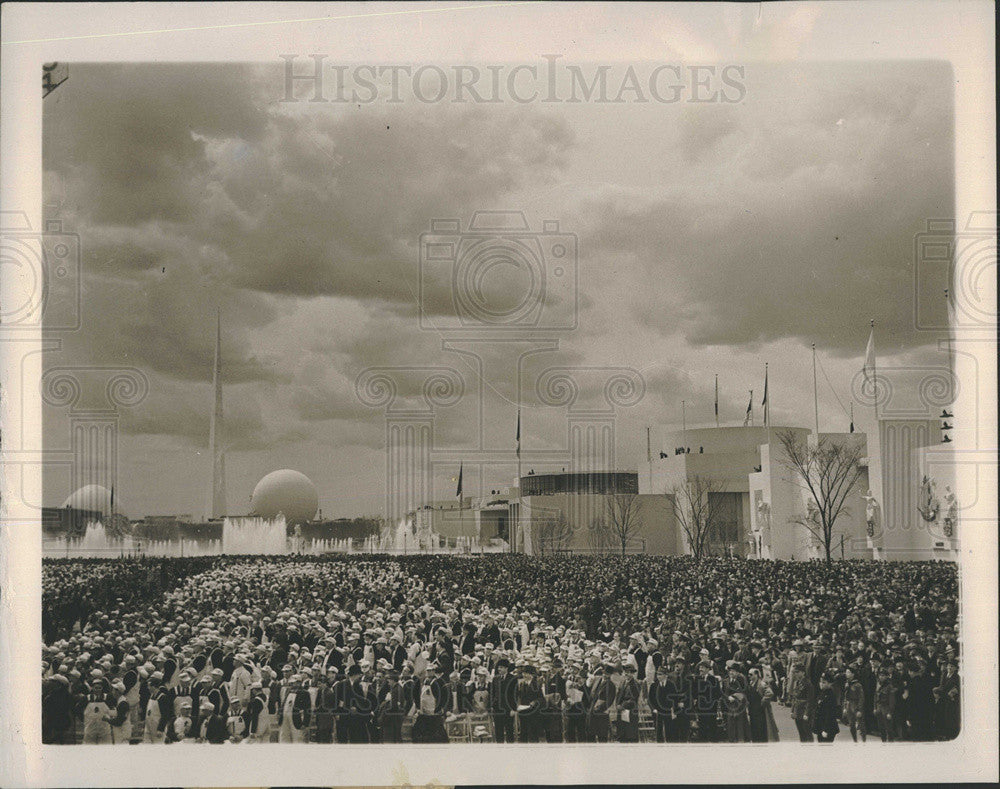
852,416
458,491
518,437
716,401
869,368
746,419
764,401
112,499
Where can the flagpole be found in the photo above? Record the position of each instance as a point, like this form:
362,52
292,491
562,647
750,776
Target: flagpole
649,457
815,392
874,377
683,416
520,502
717,400
767,406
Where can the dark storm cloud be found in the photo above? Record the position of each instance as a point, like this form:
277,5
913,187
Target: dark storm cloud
180,411
128,133
799,223
348,196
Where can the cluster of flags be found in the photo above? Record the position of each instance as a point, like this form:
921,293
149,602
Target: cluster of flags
748,419
869,377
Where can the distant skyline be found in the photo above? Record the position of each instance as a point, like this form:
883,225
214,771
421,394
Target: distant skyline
712,239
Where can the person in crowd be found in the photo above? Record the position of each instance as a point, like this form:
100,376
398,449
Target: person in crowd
735,703
756,688
948,713
662,696
706,698
576,705
854,705
213,723
255,720
801,696
57,710
553,700
885,706
825,725
503,701
918,706
627,699
324,704
529,704
182,727
393,708
602,699
236,725
428,727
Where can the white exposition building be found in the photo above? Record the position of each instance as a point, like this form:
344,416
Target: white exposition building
902,505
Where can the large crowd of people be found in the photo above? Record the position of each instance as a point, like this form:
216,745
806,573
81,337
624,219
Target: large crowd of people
497,648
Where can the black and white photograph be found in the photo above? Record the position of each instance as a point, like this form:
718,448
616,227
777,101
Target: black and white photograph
499,393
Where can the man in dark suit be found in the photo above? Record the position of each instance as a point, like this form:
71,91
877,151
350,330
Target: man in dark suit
802,699
359,707
919,703
503,701
393,708
253,716
324,706
218,693
627,705
397,653
341,707
529,704
467,641
707,700
443,651
554,695
490,633
661,701
577,703
602,697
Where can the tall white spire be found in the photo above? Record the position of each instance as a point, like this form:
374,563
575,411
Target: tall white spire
217,495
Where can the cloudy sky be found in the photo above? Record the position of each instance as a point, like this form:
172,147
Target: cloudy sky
712,237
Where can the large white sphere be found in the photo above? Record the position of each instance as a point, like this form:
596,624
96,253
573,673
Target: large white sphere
92,497
285,491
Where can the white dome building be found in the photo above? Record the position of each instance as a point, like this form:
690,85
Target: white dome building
288,492
92,497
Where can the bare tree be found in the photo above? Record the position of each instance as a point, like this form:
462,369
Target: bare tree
555,533
599,534
698,511
828,472
624,519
